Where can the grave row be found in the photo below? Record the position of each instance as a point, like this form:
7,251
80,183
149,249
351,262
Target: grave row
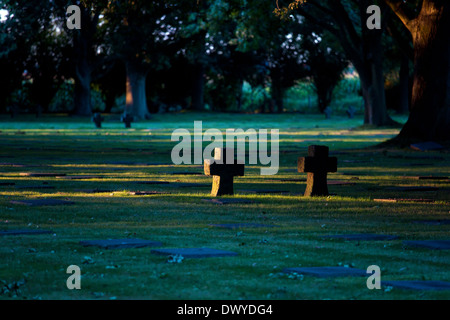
320,272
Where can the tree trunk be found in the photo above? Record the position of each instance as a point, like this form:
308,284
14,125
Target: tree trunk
404,85
136,99
429,117
198,88
82,98
324,93
277,97
370,70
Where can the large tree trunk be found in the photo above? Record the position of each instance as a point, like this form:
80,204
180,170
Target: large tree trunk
324,91
404,85
84,61
430,105
82,92
370,69
136,99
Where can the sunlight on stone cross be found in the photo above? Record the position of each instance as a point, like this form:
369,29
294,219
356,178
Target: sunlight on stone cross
222,172
317,164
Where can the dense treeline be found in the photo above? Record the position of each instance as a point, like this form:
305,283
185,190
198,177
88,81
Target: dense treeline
142,57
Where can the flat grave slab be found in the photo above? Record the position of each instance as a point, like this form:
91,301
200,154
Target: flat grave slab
436,222
184,173
9,164
43,202
79,177
146,193
17,232
152,182
404,200
120,243
413,188
429,244
188,185
361,237
41,174
430,178
289,179
2,184
38,187
417,285
228,201
195,252
340,183
327,272
96,190
426,146
241,225
266,191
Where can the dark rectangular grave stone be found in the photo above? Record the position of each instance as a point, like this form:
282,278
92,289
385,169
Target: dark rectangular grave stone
340,183
184,173
96,190
7,184
241,225
362,236
413,188
195,252
120,243
17,232
429,244
146,193
267,191
289,180
393,200
80,177
426,146
431,178
188,185
41,174
43,202
328,272
153,182
436,222
356,161
417,285
38,187
228,201
15,165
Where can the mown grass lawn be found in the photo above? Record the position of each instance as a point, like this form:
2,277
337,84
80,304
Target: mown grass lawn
180,218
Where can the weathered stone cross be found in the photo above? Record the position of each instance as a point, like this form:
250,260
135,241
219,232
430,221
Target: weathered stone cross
127,119
317,164
97,119
222,172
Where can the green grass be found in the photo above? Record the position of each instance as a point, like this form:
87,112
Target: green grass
181,219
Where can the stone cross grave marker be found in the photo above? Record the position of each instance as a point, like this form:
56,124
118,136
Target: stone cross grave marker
127,119
317,164
351,112
223,172
97,119
328,112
